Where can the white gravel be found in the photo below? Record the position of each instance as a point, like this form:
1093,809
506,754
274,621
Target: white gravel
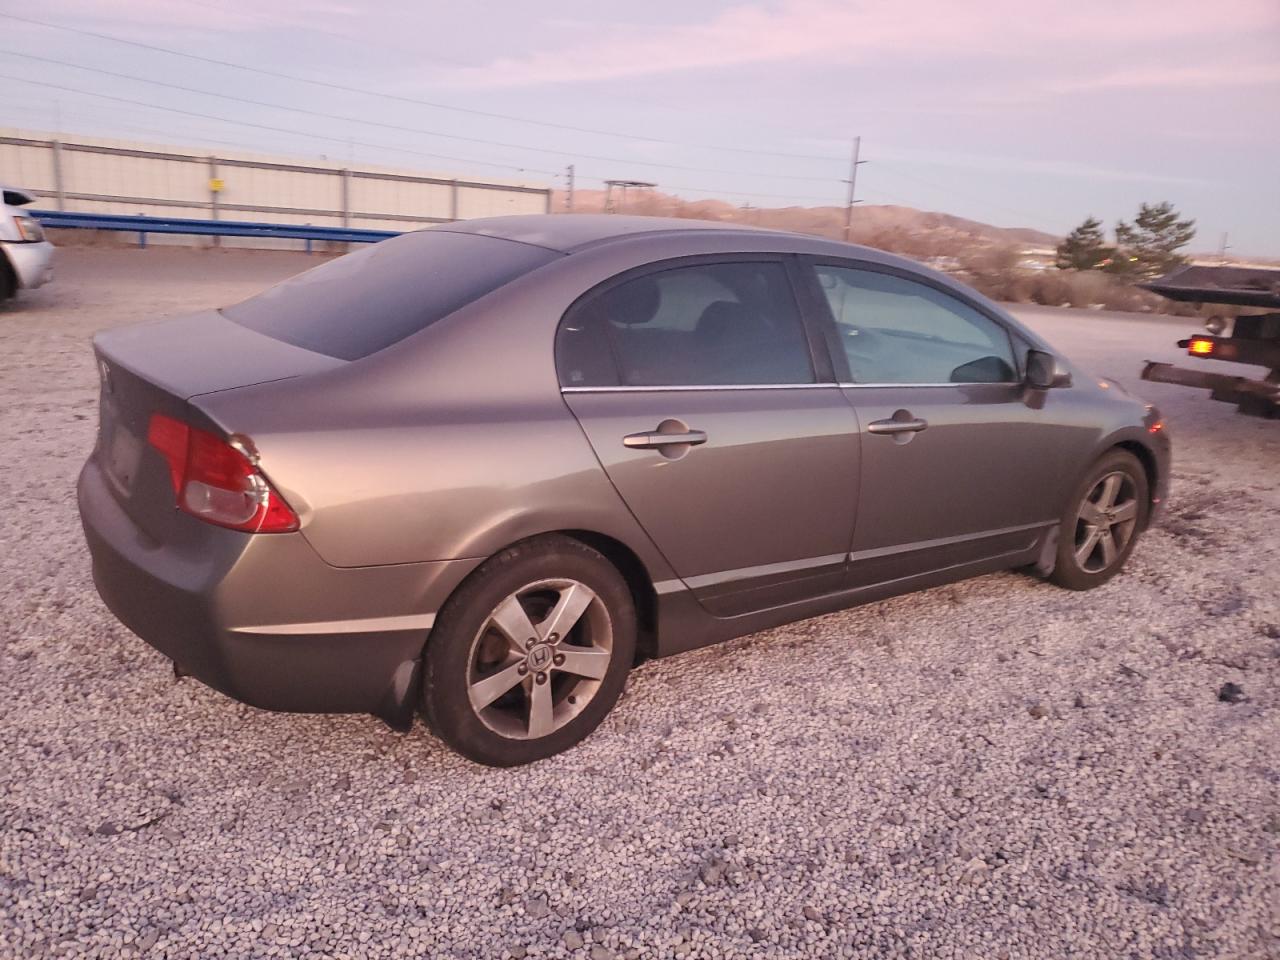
993,769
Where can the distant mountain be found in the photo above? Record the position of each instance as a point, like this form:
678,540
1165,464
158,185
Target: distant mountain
906,229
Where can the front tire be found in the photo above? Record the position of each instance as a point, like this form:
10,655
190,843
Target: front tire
1105,515
8,280
530,654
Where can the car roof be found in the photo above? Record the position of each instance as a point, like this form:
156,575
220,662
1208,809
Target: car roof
573,233
569,232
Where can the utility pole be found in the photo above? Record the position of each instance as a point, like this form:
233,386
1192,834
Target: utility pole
853,176
1223,248
568,200
55,154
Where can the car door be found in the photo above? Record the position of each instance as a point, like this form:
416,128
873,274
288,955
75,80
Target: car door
718,420
957,467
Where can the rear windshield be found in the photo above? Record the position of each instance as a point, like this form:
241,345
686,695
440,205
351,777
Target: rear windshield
366,301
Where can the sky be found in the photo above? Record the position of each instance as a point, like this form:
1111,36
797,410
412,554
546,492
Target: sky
1014,113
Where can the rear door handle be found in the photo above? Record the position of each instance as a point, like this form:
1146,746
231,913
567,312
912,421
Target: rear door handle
650,439
894,425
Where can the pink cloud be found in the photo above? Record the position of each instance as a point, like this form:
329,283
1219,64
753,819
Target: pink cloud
840,31
1224,74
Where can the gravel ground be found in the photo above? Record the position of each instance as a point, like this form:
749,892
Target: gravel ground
993,769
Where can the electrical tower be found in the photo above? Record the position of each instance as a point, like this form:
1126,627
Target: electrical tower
622,185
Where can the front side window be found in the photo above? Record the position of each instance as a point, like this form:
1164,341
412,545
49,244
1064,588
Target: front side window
894,330
700,325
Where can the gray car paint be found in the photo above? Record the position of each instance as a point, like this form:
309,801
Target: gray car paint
458,441
783,465
204,353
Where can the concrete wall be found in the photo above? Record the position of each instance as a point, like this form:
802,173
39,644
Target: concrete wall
96,175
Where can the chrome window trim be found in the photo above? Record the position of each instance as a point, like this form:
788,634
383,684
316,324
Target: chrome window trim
778,386
687,388
975,383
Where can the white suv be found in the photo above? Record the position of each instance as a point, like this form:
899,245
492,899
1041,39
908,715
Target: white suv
26,257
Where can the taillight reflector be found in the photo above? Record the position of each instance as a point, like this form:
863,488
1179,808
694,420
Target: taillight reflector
215,481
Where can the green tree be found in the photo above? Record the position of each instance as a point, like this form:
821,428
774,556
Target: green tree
1084,248
1149,246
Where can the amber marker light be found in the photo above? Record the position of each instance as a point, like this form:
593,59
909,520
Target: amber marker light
1200,348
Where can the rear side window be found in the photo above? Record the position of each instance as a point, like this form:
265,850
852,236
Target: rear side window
368,300
702,325
894,330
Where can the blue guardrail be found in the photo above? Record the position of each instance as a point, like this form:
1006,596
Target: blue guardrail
220,228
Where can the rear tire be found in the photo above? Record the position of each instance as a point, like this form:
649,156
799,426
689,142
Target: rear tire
1106,514
530,654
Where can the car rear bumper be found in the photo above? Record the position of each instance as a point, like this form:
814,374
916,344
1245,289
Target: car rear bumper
32,262
262,618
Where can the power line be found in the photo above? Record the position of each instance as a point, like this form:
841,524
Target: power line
262,126
879,195
400,127
413,100
464,110
42,111
345,141
717,191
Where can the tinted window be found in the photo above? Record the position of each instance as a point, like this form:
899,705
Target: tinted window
715,323
359,304
899,331
584,353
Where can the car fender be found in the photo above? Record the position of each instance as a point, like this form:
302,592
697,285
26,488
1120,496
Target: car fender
1155,446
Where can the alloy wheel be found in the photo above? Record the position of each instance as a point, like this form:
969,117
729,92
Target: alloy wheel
1106,522
538,658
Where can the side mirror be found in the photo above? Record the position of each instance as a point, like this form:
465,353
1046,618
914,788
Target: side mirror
1045,371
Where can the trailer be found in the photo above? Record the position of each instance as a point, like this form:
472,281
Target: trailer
1250,338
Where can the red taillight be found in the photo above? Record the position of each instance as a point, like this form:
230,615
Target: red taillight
169,436
215,481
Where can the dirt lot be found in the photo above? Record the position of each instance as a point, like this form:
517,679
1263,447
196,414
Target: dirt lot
993,769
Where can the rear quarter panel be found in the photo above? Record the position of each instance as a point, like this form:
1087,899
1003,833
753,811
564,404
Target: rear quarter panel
453,444
435,481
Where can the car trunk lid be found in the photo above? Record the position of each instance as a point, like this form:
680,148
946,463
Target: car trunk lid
204,353
157,368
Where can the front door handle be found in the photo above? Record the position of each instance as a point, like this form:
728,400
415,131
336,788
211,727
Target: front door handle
650,439
898,424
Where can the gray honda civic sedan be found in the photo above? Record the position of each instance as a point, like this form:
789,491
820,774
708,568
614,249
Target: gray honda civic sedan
481,470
